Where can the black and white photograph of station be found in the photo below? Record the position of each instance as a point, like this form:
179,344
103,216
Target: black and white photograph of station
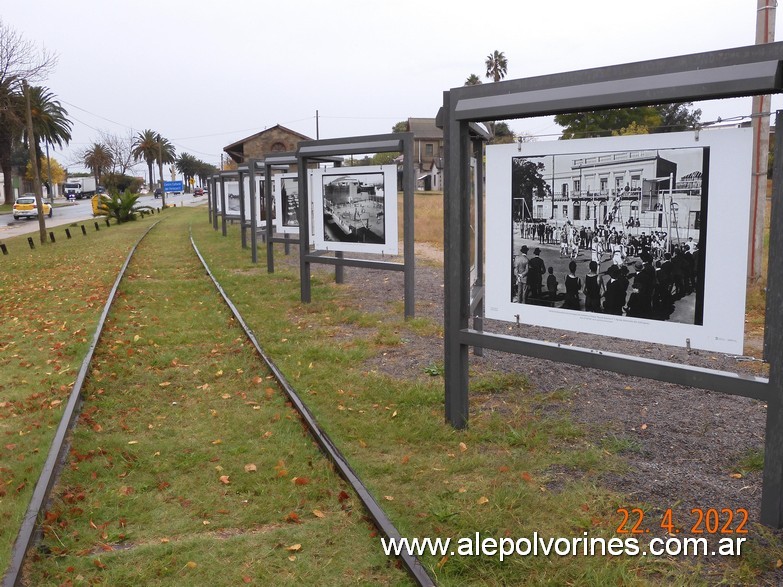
630,222
620,232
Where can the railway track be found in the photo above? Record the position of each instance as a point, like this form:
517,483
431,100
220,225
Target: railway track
31,529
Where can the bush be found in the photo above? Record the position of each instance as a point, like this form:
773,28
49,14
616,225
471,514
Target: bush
122,206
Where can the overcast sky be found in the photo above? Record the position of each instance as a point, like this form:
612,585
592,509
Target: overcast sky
207,74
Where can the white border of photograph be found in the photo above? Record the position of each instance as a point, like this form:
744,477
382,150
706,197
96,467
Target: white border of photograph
728,214
259,195
391,236
232,203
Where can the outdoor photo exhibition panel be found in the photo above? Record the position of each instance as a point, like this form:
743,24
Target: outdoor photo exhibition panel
744,71
355,209
341,195
637,206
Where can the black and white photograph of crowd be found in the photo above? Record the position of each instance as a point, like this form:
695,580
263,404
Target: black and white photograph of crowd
618,233
353,208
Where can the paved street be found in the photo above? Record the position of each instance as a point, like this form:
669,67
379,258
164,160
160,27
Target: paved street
69,212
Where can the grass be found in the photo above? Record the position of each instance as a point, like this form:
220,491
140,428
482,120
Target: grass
176,401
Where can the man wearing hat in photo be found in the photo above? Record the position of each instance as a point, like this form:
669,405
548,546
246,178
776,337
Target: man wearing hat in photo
535,273
640,302
521,271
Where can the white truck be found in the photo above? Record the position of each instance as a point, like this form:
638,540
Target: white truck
80,187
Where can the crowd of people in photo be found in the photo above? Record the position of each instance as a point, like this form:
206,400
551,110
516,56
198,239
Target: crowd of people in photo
645,275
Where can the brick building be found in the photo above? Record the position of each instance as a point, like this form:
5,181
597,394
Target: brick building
277,139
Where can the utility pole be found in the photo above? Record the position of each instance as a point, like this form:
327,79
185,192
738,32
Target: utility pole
317,134
765,33
34,165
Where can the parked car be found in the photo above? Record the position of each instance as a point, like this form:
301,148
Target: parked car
157,192
25,207
198,192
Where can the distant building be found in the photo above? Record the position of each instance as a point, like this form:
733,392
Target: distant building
427,153
277,139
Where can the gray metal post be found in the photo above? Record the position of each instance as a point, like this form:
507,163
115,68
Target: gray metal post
304,231
224,229
772,488
242,211
253,211
270,251
456,272
214,196
408,241
339,273
209,200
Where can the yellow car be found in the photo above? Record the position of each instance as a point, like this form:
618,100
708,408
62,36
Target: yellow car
25,207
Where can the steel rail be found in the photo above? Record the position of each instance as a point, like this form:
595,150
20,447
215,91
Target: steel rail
415,569
55,460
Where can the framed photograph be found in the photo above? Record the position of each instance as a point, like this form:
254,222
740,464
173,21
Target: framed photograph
232,197
356,209
260,201
641,237
286,197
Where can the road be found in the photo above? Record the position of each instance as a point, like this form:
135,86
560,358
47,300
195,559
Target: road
69,212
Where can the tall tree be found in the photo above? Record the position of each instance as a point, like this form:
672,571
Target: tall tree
497,66
121,149
145,146
401,126
166,154
50,125
527,180
188,166
472,80
652,119
98,160
20,60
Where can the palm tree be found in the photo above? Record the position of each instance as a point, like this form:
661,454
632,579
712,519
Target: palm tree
497,66
472,80
50,122
145,146
166,154
11,125
97,159
188,166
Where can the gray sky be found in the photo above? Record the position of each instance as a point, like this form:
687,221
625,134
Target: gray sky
206,74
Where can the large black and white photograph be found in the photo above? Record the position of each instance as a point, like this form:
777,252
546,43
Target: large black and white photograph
620,230
232,198
287,201
356,209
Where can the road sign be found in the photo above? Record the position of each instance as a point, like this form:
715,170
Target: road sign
172,187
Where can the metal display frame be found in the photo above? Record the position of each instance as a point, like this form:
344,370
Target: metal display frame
387,143
743,71
281,161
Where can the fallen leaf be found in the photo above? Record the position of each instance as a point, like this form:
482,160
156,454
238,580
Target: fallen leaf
443,561
267,434
293,518
292,558
388,498
224,479
405,459
250,468
343,496
319,514
246,579
191,565
133,442
295,547
219,373
643,426
165,384
301,480
482,500
394,415
217,441
736,475
463,447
